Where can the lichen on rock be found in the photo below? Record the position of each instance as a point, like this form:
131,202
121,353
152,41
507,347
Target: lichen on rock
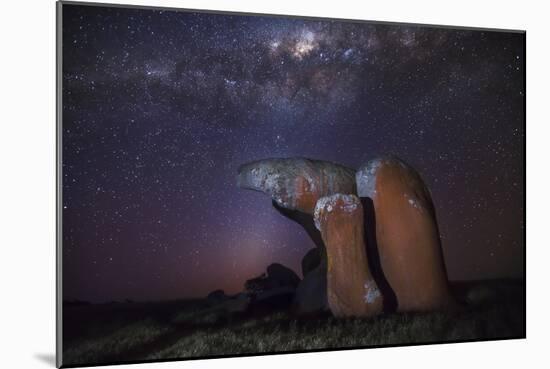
351,288
366,178
371,292
296,183
347,203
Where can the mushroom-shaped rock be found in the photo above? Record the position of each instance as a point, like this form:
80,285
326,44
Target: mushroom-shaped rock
351,288
296,183
406,234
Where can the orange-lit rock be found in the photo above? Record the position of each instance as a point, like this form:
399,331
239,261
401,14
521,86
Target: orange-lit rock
297,183
406,234
351,289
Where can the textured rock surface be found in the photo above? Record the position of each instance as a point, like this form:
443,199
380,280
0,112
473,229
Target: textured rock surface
351,288
296,183
407,235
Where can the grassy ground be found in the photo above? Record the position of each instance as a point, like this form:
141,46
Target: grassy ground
185,329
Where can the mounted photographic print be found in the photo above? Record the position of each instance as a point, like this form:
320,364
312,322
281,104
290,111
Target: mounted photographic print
243,184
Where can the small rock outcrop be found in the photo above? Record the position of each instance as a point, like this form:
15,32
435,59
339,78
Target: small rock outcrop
351,288
277,276
274,289
282,276
216,296
406,234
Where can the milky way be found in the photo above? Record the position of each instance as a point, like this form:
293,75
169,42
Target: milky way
161,107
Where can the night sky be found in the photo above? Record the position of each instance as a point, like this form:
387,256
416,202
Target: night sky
161,107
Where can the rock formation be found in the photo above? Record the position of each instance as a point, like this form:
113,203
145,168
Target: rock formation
277,276
406,234
216,296
351,288
282,276
274,289
393,223
296,183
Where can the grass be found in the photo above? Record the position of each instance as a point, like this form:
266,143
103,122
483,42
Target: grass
134,332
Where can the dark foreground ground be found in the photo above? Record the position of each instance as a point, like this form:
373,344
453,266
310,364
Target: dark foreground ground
130,331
